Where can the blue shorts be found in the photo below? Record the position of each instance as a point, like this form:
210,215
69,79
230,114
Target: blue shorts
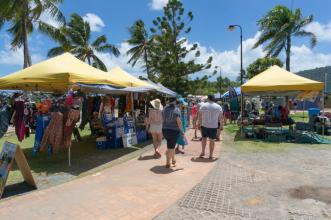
210,133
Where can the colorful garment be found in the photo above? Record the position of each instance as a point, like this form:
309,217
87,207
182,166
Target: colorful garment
70,122
181,140
53,135
42,123
19,121
4,120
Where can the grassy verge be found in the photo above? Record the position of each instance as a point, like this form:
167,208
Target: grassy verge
244,145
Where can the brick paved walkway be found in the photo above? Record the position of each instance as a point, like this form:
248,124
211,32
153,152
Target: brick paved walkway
138,189
258,186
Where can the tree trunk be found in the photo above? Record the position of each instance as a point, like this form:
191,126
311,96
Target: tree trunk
147,67
288,53
27,57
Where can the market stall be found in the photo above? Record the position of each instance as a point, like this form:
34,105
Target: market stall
63,91
54,116
276,82
58,74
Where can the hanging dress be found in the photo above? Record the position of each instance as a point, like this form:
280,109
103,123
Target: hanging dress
19,120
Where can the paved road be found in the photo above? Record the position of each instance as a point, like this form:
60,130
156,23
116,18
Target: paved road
138,189
295,185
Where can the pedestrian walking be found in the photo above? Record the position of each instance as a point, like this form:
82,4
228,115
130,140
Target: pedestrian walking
182,141
172,128
210,115
154,125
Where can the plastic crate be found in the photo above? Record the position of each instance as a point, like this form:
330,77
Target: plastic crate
129,139
101,143
141,136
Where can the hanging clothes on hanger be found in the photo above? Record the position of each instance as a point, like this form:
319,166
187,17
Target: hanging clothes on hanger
18,119
42,123
70,121
53,135
4,119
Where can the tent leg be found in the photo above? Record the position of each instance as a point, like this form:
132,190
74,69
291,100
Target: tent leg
69,156
242,134
323,126
132,108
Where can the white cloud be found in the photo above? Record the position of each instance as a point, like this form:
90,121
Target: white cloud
15,57
95,22
229,60
322,31
48,19
303,58
158,4
122,61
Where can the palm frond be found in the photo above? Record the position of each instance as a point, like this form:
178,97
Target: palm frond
108,48
312,36
100,40
56,51
98,63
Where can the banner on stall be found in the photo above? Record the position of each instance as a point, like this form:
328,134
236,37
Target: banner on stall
9,153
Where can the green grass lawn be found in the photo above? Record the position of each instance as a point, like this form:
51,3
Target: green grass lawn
256,145
53,169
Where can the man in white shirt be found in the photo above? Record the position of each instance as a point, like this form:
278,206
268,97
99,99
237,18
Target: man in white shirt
210,119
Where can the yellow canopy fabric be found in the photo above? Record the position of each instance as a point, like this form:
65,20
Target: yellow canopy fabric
277,79
118,75
56,74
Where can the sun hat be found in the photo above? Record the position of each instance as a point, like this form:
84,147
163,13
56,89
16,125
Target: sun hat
156,103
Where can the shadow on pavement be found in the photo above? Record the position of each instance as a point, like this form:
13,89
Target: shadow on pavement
148,157
203,160
164,170
17,188
322,194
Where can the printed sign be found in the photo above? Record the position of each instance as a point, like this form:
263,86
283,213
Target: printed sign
9,153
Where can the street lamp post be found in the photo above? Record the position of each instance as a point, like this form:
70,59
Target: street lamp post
220,84
231,28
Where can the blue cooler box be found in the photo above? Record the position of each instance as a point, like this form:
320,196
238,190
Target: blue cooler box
101,143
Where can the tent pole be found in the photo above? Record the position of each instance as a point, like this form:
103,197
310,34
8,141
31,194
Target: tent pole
323,127
132,107
303,109
69,148
69,156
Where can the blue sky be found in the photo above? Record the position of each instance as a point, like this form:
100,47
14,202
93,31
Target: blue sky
211,17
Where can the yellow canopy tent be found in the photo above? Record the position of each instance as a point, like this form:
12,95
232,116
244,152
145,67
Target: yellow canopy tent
119,75
56,74
276,79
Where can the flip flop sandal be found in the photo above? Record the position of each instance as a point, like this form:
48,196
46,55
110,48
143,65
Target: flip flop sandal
202,156
167,166
174,163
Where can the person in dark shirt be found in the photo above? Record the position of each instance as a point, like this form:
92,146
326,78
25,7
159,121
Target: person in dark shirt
172,128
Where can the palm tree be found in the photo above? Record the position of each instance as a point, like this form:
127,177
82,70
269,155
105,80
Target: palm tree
278,26
22,15
141,43
75,38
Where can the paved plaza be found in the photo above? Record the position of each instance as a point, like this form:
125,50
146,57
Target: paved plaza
286,185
